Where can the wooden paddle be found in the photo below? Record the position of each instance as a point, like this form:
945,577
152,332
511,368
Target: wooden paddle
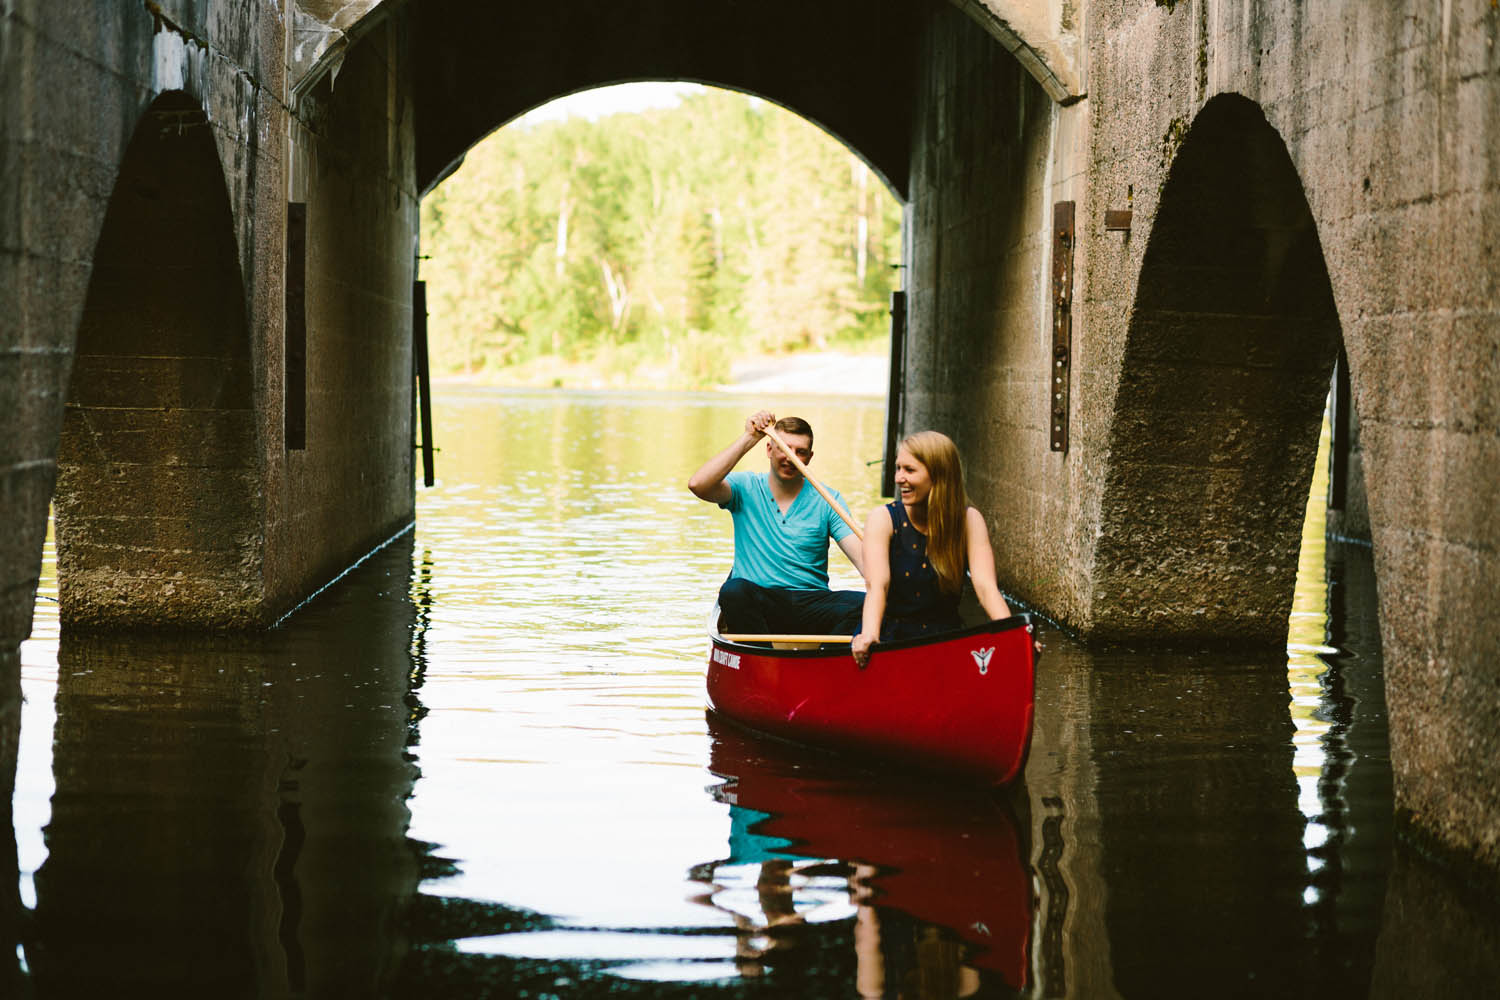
779,637
771,433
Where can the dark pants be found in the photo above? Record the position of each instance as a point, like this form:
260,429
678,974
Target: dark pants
748,607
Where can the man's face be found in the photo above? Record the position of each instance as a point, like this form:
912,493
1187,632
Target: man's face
782,466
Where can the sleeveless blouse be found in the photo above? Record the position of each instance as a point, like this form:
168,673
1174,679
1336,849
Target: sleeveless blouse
916,603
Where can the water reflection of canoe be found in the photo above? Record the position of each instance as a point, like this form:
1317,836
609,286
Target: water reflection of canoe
946,856
960,703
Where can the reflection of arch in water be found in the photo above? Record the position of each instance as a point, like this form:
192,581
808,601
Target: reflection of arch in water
1231,346
944,856
1199,832
230,815
11,913
1350,820
158,469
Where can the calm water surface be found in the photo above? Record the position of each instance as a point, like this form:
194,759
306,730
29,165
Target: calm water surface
479,765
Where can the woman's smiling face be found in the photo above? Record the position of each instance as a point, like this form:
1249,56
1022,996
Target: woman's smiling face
913,481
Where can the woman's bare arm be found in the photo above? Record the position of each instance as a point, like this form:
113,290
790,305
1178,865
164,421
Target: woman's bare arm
877,559
982,565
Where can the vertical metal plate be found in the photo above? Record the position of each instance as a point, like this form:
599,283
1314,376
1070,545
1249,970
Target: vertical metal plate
894,391
1341,405
294,333
424,381
1060,377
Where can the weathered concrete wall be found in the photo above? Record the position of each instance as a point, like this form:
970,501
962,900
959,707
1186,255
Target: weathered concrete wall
352,164
66,111
1230,343
1391,117
159,476
181,504
1298,177
991,154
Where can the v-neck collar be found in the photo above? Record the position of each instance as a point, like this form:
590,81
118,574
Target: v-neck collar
782,515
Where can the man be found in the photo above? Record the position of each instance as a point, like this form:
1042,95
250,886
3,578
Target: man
779,582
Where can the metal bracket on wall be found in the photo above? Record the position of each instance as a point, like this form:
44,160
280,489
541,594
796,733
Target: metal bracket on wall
424,380
294,383
1062,322
895,390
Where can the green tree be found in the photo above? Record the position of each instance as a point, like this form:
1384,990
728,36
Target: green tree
675,238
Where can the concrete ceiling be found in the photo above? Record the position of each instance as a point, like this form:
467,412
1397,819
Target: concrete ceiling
846,65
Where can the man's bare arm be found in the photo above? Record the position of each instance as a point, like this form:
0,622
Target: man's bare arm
855,550
708,482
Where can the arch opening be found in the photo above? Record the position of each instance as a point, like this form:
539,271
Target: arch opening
654,249
1226,371
158,469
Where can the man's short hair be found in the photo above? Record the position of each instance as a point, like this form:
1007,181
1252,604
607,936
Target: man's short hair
796,425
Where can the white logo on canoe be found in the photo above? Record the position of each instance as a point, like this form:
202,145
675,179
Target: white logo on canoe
730,660
982,658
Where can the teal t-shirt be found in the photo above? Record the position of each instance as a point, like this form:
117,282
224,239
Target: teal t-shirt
773,549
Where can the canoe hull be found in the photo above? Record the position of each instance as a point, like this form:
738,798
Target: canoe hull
961,703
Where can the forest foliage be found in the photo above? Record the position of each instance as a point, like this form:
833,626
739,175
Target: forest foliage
675,239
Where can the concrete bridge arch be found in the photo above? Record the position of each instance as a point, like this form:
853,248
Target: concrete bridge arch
845,72
158,463
1385,113
1226,367
846,65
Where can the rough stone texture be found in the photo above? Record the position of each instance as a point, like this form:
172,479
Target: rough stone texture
353,159
1390,114
154,241
56,172
978,327
1230,346
1044,37
1298,176
157,499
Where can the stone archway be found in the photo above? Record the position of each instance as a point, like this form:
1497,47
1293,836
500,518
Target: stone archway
1044,38
158,467
1230,349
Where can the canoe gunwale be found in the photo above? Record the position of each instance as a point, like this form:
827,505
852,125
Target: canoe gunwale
1018,620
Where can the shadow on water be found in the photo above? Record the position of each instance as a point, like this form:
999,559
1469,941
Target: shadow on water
230,812
1195,838
1202,839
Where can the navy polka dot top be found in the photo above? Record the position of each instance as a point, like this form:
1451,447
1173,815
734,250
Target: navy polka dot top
916,605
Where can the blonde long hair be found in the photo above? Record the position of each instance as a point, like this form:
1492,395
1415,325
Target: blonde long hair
947,505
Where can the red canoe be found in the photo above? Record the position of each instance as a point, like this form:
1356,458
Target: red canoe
960,702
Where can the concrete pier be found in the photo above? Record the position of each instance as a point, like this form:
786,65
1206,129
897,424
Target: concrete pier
210,240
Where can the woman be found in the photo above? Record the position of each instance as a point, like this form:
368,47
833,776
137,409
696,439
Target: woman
918,547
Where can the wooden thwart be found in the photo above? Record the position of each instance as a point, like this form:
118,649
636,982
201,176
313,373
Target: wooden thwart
787,640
